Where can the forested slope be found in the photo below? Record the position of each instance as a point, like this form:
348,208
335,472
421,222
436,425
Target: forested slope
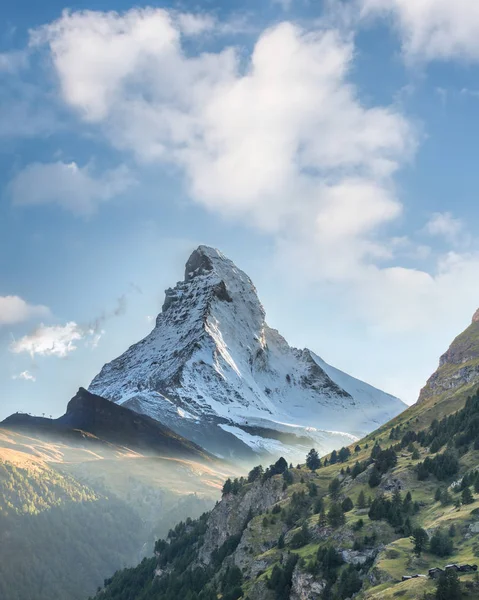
400,502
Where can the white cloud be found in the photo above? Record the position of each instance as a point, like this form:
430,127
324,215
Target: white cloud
432,29
26,376
279,138
445,225
53,340
14,309
285,4
11,62
61,340
74,188
258,141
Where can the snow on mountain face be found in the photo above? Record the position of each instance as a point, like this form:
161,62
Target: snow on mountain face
214,372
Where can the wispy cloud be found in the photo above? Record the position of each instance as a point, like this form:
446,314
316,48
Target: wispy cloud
61,340
74,188
445,225
14,309
432,30
25,376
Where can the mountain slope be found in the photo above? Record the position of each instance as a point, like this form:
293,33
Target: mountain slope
94,488
212,368
108,422
365,524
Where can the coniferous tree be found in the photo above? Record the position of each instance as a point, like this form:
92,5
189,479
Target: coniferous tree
466,496
420,540
313,461
334,488
361,501
440,544
336,515
255,474
448,586
374,478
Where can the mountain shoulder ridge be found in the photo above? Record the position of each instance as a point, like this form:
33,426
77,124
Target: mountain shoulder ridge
107,422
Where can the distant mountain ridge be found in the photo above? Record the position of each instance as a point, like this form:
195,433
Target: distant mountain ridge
91,414
213,371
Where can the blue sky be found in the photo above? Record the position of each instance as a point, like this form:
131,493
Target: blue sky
328,148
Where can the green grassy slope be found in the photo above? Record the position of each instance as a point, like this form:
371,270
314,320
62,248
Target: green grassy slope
72,512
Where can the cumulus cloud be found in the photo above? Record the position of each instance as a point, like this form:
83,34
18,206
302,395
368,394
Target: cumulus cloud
26,376
259,140
62,340
445,225
279,138
53,340
432,29
14,309
74,188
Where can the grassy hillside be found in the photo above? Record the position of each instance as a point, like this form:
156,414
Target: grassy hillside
58,537
72,512
349,528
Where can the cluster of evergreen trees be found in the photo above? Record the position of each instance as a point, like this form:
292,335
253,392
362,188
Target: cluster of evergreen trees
459,431
341,581
396,511
440,544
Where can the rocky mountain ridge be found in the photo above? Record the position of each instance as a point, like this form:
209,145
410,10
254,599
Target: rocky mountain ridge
458,370
213,371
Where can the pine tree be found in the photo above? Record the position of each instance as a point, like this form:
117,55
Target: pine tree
334,489
374,478
467,497
313,461
336,515
448,586
227,487
361,501
420,540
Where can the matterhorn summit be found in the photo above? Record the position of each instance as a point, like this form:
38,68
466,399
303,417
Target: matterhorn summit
213,371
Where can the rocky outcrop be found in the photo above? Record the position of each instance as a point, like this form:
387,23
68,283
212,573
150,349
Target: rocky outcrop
305,586
357,557
458,366
230,516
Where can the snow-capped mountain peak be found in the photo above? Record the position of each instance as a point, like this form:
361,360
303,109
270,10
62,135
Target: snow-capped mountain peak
213,371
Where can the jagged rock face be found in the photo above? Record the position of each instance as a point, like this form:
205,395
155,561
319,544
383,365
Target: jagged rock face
213,371
305,586
230,517
459,366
